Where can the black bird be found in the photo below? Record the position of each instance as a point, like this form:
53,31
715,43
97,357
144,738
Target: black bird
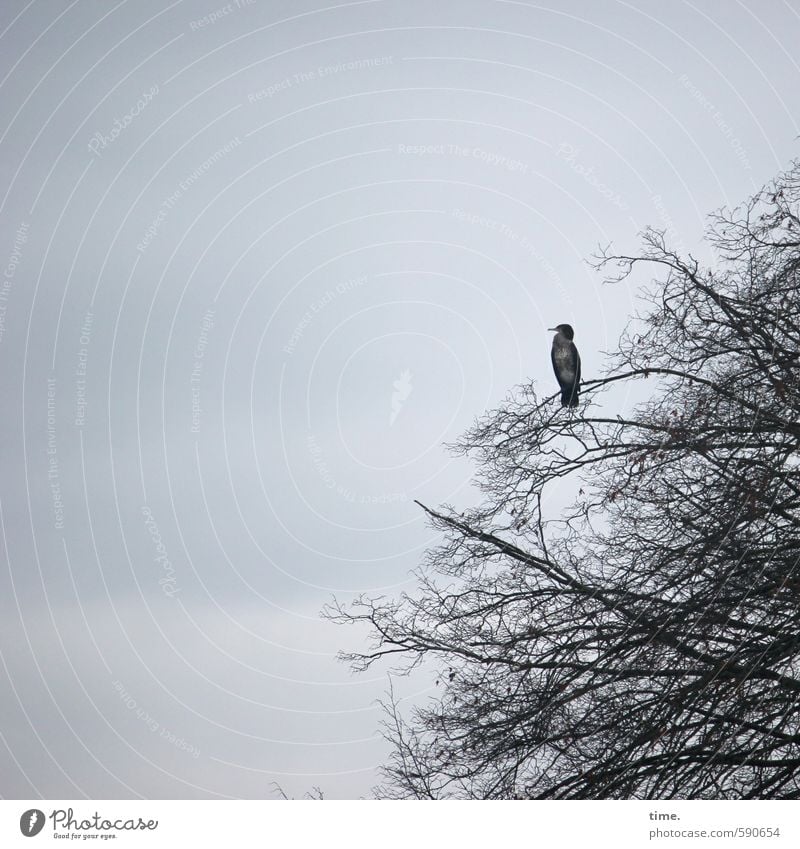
566,364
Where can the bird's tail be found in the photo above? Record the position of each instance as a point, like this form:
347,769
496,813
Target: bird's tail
569,398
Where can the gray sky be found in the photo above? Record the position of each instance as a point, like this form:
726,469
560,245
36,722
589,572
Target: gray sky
259,262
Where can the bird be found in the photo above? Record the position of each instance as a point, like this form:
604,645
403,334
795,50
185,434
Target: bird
566,364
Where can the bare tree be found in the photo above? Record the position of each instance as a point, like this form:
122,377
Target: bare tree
646,643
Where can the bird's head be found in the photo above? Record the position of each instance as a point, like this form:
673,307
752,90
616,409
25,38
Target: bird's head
565,329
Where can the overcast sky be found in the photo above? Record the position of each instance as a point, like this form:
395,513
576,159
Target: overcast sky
259,262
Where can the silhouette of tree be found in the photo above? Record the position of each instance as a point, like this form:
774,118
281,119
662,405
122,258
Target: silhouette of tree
646,644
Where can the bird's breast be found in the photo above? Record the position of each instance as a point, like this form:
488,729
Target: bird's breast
562,353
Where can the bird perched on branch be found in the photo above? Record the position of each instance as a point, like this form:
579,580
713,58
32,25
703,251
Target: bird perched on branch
566,364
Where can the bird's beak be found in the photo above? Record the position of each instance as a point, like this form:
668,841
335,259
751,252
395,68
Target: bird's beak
551,328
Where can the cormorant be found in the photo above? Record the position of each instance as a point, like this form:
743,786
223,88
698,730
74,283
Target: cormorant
566,364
